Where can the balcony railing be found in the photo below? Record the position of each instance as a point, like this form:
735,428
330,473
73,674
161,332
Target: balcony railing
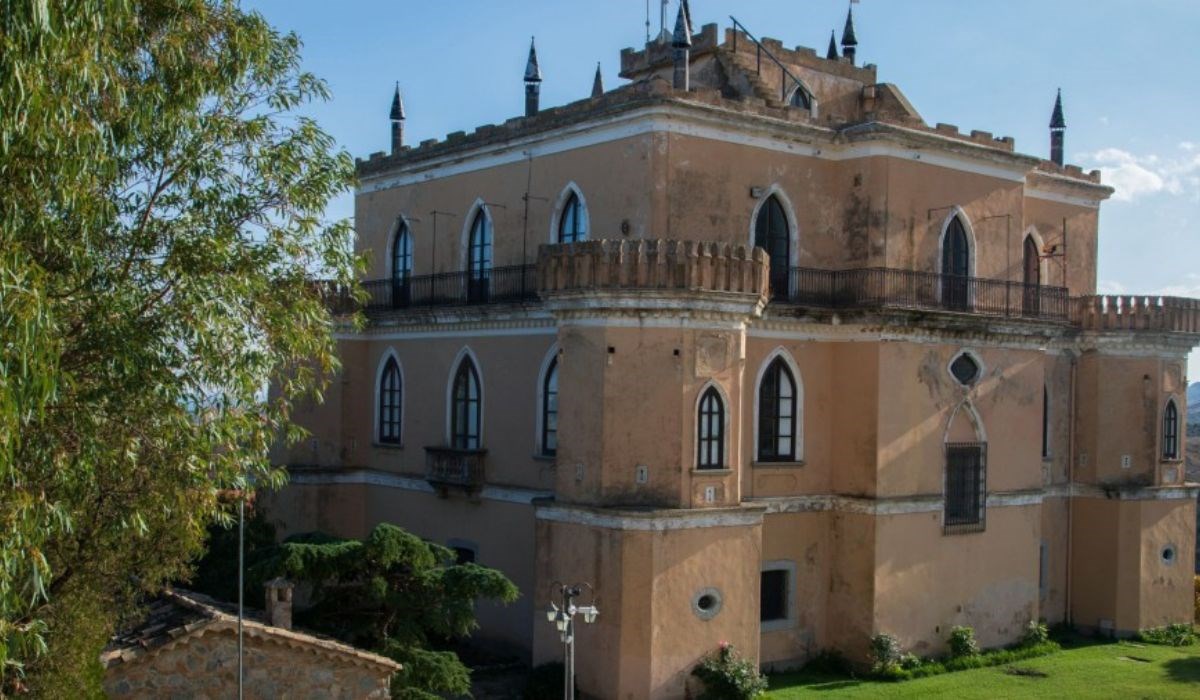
887,288
446,467
499,285
1135,313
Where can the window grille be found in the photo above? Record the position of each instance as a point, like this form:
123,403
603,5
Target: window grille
966,487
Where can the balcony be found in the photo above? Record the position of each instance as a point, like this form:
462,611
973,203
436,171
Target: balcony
1137,313
879,288
499,285
446,468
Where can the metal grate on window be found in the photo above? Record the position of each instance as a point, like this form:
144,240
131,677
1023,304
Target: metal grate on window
966,487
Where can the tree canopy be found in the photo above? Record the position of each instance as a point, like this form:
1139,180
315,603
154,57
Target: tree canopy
392,592
161,226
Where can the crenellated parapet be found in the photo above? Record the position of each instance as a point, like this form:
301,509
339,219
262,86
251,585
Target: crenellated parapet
655,266
1137,313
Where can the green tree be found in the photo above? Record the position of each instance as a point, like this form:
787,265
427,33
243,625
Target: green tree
395,593
161,225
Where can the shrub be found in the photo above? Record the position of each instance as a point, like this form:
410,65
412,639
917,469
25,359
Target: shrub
727,676
1035,633
885,651
829,662
910,661
1177,635
962,642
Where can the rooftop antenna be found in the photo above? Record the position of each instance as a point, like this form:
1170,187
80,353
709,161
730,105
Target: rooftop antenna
647,21
662,21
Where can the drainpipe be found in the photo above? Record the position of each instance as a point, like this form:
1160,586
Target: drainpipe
1069,615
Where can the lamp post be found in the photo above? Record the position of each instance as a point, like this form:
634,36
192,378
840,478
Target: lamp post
563,619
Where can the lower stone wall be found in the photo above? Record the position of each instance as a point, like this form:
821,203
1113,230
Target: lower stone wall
204,667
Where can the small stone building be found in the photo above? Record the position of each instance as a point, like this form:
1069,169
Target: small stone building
187,647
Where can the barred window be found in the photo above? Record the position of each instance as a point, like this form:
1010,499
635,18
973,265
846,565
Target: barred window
966,487
1170,431
777,414
466,416
390,394
710,431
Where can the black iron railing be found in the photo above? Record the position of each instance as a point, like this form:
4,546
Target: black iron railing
888,288
514,283
449,467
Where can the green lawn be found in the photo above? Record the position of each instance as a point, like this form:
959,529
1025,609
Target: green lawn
1111,670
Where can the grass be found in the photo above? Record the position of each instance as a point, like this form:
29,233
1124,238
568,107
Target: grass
1081,670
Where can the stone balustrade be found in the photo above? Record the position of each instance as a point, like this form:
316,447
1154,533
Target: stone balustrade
1136,313
655,265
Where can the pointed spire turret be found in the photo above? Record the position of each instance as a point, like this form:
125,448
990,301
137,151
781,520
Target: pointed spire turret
597,82
397,117
533,72
687,15
533,81
1058,126
849,41
681,42
832,53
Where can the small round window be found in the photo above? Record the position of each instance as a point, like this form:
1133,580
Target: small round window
706,603
965,369
1168,554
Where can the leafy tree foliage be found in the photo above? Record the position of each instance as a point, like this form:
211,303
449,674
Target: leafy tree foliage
395,593
160,228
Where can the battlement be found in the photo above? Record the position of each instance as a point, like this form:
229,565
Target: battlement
1137,313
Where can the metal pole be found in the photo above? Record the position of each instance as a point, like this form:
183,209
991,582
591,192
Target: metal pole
241,587
571,660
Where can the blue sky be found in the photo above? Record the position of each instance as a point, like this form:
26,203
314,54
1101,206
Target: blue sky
1127,70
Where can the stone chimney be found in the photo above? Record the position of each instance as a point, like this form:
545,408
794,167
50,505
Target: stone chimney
681,42
849,41
533,82
397,117
1058,126
279,603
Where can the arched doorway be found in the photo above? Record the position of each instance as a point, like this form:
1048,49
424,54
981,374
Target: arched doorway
1031,297
956,267
772,234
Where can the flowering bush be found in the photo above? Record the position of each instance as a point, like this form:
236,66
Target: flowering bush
727,676
885,651
962,642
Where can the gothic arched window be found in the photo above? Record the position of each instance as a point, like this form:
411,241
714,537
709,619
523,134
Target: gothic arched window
1170,431
466,413
777,414
956,266
710,431
479,257
572,224
391,393
771,233
401,265
549,440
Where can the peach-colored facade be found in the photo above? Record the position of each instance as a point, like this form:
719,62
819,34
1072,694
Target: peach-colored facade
1075,510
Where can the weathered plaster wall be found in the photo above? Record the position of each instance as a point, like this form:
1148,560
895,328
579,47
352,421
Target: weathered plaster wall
204,666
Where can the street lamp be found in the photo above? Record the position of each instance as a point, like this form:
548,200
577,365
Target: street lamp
563,619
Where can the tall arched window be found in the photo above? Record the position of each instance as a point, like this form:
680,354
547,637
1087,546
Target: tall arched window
771,233
401,266
777,414
1170,431
479,257
391,393
572,225
1031,298
549,439
956,266
710,431
466,413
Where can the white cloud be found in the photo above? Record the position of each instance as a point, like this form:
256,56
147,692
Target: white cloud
1135,176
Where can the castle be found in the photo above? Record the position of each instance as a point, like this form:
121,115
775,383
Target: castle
762,357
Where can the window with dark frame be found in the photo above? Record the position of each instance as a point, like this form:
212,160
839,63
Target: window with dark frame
479,258
956,266
1045,422
966,487
572,226
965,369
390,395
710,431
401,266
550,410
1170,431
466,413
777,414
771,233
773,595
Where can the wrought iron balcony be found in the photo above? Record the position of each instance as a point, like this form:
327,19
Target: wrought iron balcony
889,288
447,467
498,285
